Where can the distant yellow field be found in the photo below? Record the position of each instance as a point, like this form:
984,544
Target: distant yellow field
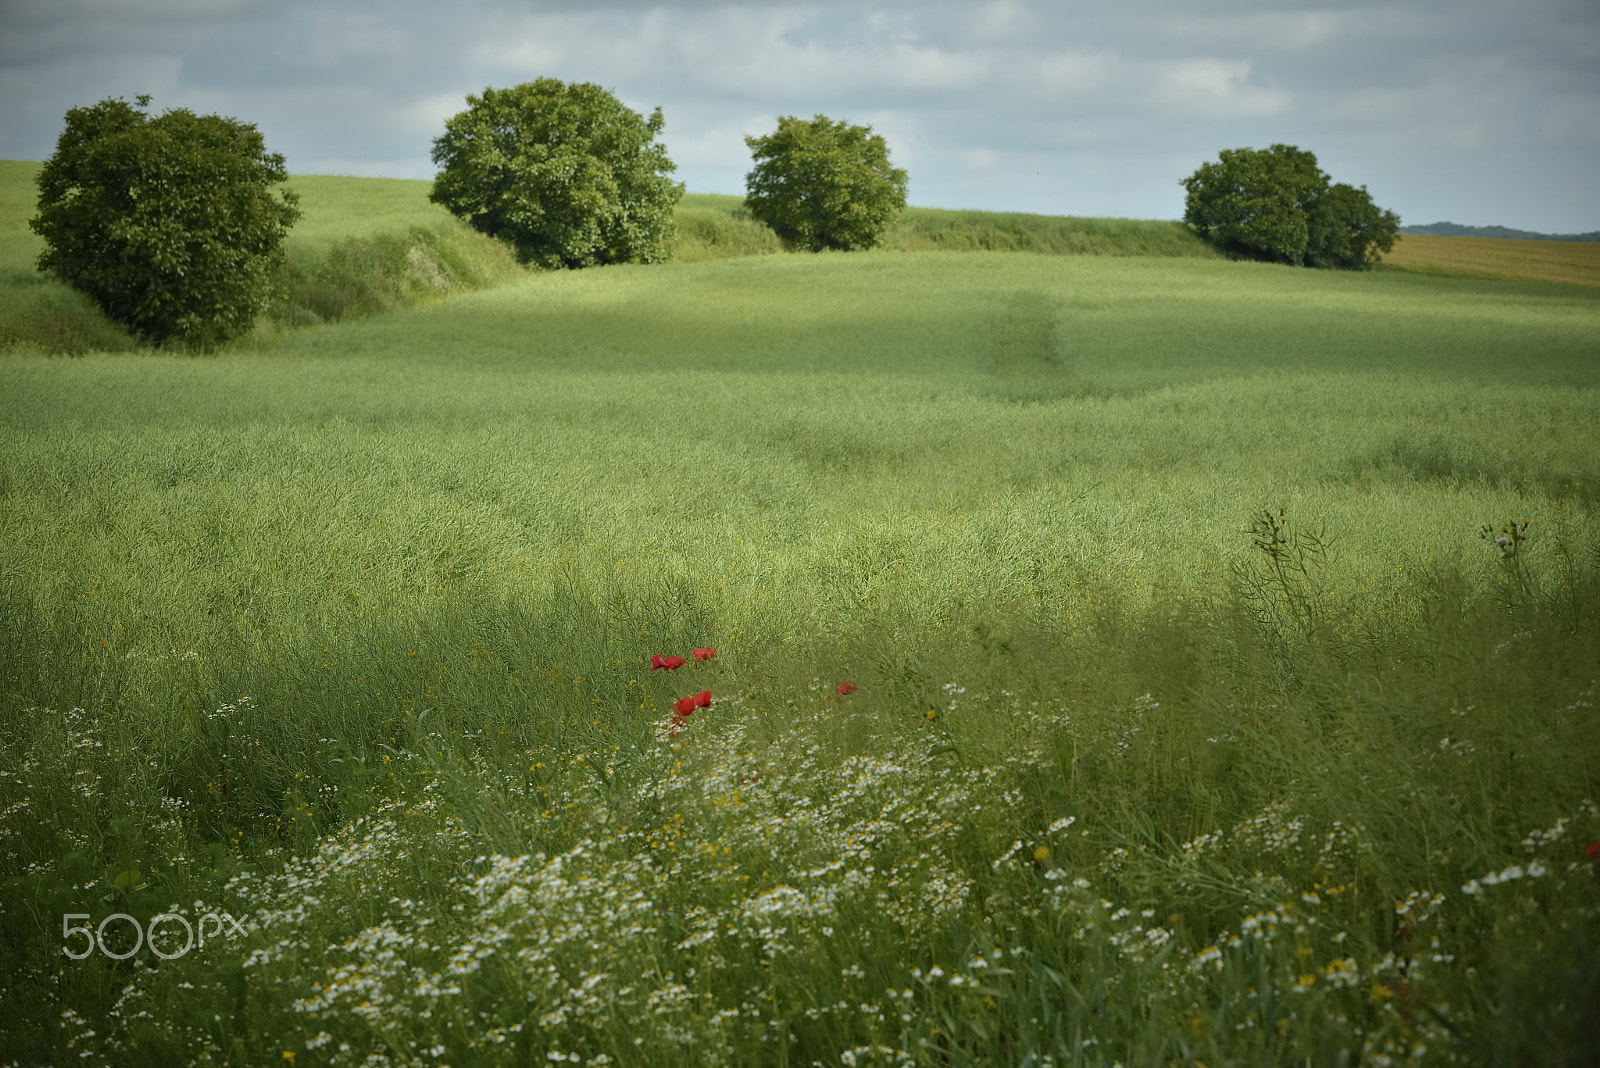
1577,262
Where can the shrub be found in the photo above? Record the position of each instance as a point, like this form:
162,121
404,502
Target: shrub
1276,204
824,184
565,173
169,224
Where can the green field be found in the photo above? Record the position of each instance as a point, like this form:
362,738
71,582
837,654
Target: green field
1196,719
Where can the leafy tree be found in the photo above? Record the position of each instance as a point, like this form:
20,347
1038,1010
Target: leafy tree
565,173
170,224
824,184
1276,204
1346,229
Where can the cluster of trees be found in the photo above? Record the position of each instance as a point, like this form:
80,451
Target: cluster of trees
1275,204
572,178
172,225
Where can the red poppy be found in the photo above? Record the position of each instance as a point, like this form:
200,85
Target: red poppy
847,687
702,699
1592,850
705,654
671,663
683,706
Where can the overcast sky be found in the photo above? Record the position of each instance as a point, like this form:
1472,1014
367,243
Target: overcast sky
1474,111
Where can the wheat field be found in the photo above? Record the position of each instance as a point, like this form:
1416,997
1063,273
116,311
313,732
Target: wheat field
1572,262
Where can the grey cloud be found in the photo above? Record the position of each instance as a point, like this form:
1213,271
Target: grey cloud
1480,110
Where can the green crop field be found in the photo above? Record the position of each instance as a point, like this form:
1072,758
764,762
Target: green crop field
1222,644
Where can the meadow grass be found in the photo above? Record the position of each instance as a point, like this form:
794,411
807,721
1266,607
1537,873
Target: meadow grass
1574,262
1197,718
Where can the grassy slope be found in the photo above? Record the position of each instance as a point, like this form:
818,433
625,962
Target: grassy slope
366,245
337,208
1031,477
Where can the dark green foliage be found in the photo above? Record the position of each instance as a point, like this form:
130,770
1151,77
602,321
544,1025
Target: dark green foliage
1276,204
565,173
1348,230
169,224
824,184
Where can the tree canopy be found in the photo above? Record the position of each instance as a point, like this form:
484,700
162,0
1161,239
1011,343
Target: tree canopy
824,184
565,173
170,224
1276,204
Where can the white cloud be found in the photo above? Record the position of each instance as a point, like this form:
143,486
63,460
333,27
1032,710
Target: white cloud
1001,20
980,160
1213,89
765,54
333,38
1275,31
1064,75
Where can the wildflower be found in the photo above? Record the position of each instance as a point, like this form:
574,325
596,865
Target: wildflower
705,654
1592,850
1041,854
670,663
684,707
847,687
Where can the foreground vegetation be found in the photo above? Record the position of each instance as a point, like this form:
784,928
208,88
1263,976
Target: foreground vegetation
1194,717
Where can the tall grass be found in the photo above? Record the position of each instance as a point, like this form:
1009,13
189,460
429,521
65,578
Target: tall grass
349,636
930,229
712,227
